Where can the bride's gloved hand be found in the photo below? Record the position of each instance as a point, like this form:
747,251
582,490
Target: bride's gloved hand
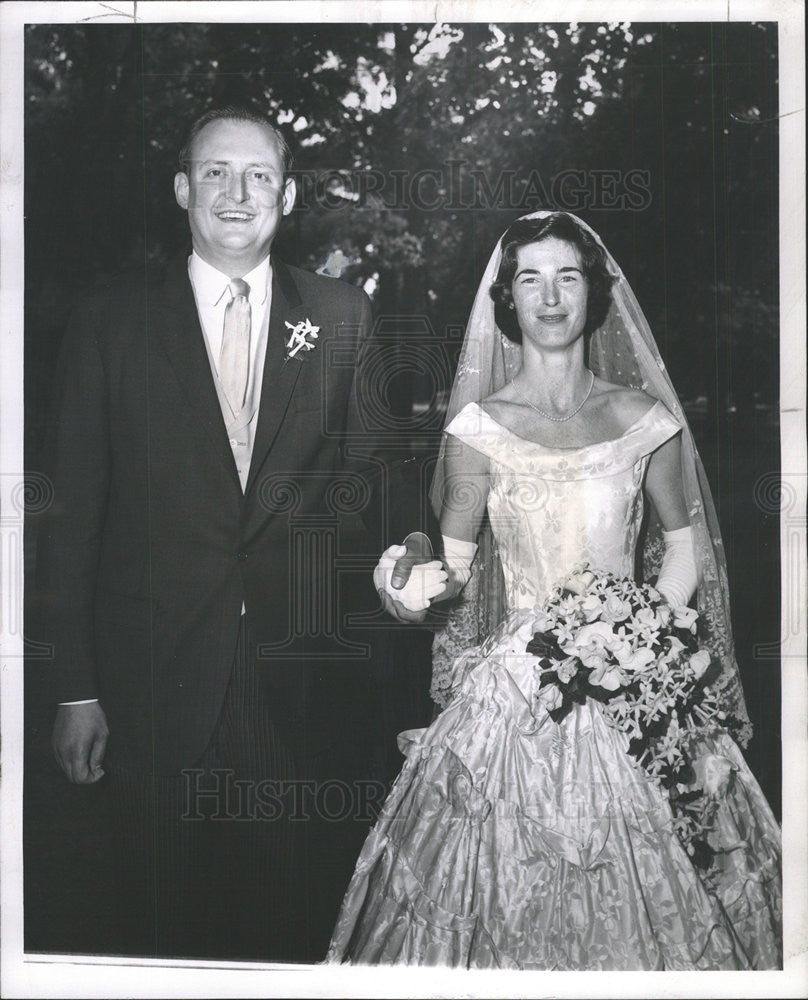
678,574
458,555
408,577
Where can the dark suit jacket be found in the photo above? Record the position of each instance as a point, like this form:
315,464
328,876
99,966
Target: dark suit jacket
151,547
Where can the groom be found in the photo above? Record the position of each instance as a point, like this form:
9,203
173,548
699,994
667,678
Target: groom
196,441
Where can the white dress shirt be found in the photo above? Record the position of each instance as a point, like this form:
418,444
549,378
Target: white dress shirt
212,293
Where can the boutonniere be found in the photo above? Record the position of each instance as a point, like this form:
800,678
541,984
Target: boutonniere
299,340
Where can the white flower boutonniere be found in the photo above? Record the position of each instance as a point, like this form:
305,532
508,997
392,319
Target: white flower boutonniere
299,340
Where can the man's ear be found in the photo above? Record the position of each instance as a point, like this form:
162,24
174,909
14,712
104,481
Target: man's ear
181,189
289,195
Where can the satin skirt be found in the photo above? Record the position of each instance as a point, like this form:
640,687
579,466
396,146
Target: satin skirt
510,841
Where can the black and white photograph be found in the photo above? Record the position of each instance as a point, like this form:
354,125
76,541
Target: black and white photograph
403,499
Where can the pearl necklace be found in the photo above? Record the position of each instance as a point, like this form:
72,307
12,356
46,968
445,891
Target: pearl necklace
547,416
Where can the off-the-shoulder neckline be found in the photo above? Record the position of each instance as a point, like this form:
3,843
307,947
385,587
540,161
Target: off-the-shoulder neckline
583,447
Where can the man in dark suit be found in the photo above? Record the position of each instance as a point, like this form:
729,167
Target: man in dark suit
199,426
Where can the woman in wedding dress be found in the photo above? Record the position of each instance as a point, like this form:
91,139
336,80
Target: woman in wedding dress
511,840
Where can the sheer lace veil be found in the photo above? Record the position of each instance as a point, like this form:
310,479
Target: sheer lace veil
622,351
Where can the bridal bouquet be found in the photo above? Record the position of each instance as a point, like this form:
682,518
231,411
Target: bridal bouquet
619,642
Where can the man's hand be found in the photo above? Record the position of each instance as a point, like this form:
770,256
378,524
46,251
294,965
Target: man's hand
393,574
79,740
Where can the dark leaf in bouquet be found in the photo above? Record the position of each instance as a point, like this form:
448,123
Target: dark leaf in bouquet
684,799
577,694
687,638
548,677
631,690
702,855
557,714
545,644
637,746
602,694
657,726
679,772
579,688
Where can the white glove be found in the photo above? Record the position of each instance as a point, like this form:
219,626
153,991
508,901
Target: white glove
459,556
678,575
426,581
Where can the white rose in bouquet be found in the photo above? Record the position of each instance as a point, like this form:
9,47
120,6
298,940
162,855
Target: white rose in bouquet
632,662
616,610
699,662
592,607
592,638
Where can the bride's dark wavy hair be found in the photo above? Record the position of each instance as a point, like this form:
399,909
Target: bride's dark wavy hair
593,261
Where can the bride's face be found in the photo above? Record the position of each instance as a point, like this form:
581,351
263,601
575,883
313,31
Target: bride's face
550,293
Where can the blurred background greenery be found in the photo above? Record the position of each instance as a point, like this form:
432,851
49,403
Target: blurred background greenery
415,147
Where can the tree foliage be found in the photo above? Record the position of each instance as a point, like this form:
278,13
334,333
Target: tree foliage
417,144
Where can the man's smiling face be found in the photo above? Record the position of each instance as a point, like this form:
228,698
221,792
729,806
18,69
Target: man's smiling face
234,193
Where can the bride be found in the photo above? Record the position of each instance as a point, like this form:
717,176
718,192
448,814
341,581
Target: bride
510,839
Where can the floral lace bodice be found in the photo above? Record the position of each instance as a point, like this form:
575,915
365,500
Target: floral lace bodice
554,509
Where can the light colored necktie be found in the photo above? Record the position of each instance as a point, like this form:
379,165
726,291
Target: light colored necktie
234,357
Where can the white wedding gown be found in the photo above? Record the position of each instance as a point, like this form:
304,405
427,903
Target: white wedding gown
511,841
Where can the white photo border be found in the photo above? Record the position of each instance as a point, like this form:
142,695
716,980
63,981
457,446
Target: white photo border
104,976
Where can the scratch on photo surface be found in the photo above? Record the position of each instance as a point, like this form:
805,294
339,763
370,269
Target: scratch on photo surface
113,12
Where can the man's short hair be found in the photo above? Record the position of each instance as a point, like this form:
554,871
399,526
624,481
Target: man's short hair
237,113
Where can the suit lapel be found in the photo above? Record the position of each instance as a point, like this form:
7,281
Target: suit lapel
279,376
174,322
